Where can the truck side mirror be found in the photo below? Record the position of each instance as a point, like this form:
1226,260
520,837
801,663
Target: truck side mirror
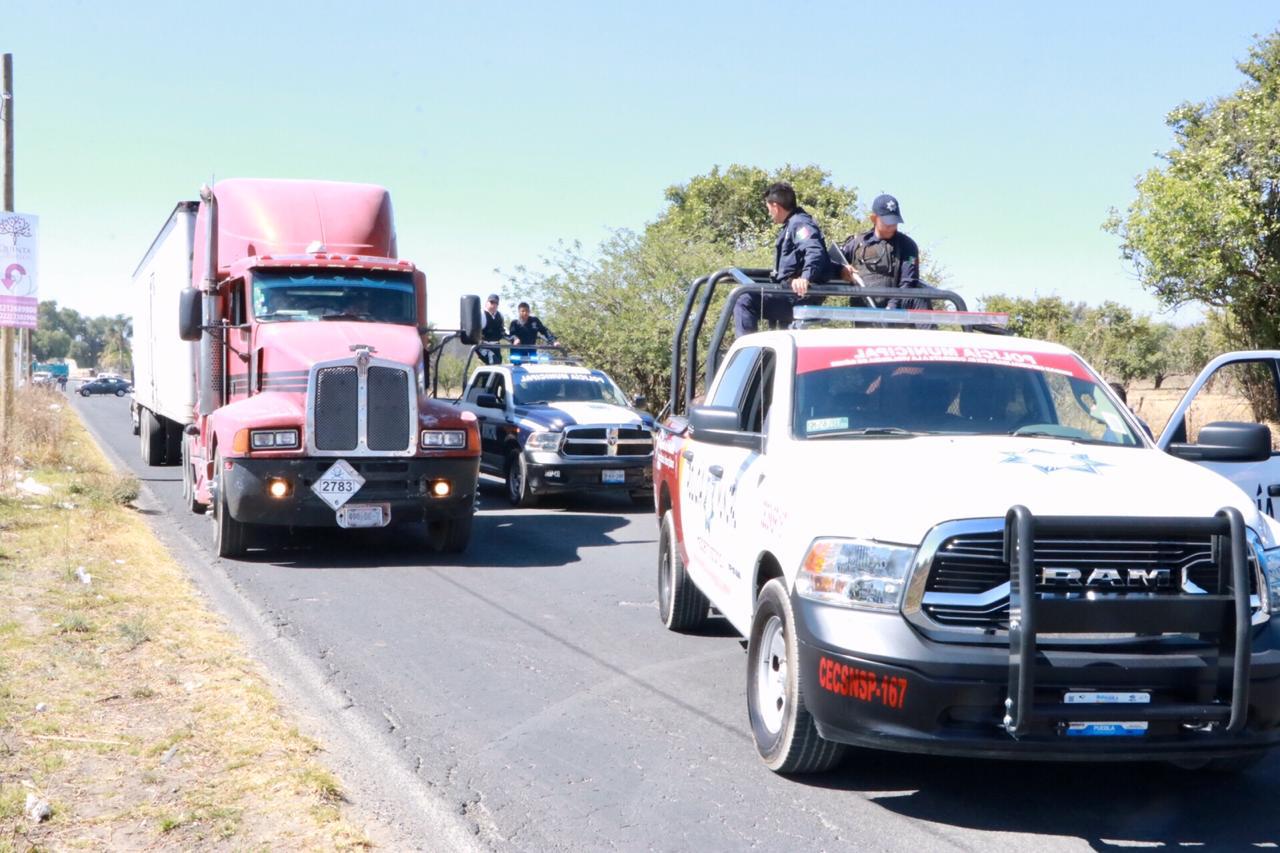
1226,441
488,401
721,425
469,319
189,316
639,401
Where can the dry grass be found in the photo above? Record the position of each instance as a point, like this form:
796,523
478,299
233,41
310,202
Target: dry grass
154,729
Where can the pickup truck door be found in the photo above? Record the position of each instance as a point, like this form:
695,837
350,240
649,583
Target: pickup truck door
1217,394
490,420
717,515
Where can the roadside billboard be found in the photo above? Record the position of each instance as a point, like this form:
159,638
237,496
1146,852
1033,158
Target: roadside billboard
18,291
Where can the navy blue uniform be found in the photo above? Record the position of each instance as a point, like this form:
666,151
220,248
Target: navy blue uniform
527,334
886,263
799,252
494,329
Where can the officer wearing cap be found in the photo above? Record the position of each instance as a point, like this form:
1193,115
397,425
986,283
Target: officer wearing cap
494,329
884,256
799,259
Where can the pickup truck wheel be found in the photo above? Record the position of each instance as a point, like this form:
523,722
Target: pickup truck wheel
681,605
449,536
518,481
229,536
785,734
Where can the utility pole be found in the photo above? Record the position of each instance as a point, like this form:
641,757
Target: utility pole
6,334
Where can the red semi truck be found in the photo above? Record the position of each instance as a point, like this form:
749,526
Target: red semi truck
293,391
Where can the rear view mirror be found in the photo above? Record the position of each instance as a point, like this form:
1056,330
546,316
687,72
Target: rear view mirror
189,317
1226,441
469,319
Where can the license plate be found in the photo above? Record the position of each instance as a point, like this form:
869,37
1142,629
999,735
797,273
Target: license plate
1104,728
613,476
339,484
364,515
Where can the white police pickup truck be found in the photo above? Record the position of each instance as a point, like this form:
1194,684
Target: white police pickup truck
959,543
556,426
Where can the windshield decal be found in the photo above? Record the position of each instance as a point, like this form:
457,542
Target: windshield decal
819,424
810,359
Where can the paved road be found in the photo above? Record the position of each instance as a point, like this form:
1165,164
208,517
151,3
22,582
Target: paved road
531,687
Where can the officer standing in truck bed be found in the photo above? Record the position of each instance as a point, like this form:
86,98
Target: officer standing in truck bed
884,256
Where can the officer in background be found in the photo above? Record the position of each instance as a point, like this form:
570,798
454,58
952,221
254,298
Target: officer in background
525,330
799,259
884,256
493,330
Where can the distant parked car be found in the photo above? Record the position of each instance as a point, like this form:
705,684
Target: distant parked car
105,385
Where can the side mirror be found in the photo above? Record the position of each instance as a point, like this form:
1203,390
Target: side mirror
639,401
1225,441
488,401
469,319
189,316
720,425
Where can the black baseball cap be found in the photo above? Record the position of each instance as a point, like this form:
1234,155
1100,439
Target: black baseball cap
493,297
887,208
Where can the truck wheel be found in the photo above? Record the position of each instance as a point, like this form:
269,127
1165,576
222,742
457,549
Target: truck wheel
681,605
229,536
449,536
189,483
518,481
785,734
153,440
173,441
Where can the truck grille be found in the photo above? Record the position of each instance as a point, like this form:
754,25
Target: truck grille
388,409
608,441
337,408
388,413
968,576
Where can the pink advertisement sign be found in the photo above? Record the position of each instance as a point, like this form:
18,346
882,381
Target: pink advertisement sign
19,294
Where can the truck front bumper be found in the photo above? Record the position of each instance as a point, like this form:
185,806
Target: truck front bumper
550,473
403,484
872,680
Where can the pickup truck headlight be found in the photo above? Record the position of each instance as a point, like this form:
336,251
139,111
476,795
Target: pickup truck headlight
544,441
443,438
855,573
273,439
1269,560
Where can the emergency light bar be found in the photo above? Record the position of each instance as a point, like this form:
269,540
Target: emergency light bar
900,316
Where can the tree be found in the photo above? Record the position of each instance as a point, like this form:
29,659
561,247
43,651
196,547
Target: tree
1205,227
616,306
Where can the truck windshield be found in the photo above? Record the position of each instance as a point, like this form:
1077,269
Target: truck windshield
891,398
369,296
550,389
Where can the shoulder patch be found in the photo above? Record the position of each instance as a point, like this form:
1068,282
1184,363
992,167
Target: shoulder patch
804,232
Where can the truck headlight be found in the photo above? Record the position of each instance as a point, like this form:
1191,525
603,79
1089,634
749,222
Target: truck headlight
855,573
438,438
273,439
544,441
1269,560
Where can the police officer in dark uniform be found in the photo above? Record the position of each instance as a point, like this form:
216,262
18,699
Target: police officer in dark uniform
799,259
494,329
525,330
884,256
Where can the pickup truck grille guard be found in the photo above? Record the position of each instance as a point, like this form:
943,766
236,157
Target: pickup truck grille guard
1225,614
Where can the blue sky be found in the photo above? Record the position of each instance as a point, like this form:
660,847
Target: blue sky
1006,130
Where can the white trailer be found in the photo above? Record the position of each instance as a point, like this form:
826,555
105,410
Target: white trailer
164,365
